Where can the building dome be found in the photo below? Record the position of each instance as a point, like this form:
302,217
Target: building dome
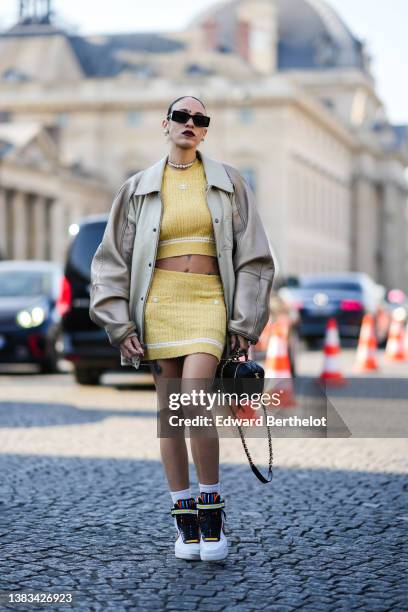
311,35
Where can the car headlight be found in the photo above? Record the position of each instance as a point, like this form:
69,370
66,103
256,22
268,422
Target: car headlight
31,318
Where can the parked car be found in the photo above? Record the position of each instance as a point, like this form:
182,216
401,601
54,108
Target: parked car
29,317
85,344
345,296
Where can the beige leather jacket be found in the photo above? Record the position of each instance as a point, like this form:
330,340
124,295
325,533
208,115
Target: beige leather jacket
123,265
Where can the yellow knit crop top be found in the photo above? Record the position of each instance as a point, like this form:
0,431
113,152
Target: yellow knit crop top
186,225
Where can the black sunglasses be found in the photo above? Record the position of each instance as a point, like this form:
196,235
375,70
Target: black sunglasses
182,117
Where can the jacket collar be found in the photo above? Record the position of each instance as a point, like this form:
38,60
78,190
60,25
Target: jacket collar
216,175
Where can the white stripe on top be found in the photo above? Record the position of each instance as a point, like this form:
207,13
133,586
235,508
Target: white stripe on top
183,342
188,239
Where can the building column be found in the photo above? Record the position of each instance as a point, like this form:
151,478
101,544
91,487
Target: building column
365,227
58,232
3,224
40,226
393,237
20,228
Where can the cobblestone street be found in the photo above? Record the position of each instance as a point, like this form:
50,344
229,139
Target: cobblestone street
85,508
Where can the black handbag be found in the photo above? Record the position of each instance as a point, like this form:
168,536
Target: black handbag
230,377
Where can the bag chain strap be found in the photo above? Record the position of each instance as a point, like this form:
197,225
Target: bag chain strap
255,470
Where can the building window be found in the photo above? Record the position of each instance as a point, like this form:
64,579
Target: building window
197,69
250,177
14,75
328,103
246,115
134,118
62,119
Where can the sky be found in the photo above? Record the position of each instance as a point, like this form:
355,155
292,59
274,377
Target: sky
382,24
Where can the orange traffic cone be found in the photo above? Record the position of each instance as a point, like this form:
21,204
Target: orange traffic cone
277,366
331,373
283,321
366,359
394,349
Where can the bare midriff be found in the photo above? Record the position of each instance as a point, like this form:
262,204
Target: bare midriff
198,264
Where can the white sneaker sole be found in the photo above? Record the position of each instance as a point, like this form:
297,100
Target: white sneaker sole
189,552
217,554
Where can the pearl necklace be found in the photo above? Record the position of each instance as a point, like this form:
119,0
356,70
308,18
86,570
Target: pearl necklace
181,166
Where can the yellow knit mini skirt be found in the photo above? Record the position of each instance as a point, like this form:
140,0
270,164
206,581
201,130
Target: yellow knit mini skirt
185,313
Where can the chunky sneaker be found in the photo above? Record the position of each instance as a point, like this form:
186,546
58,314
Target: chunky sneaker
187,544
211,516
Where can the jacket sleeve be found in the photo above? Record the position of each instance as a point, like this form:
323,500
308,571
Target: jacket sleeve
110,271
253,263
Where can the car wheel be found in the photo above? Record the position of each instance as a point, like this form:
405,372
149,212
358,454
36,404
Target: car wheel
85,376
49,366
311,343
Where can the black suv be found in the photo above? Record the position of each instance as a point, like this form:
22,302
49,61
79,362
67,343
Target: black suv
85,344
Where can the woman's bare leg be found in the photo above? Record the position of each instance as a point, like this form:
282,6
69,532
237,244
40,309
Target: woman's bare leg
173,449
204,441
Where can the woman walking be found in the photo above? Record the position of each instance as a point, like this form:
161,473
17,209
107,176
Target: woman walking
181,278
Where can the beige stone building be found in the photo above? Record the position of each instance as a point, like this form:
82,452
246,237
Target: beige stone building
293,106
39,197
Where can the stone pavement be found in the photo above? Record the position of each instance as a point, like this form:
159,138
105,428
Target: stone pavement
84,507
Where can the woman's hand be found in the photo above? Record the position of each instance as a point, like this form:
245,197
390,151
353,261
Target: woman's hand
240,341
130,347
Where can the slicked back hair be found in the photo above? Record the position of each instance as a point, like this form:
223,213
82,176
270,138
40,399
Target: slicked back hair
182,98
